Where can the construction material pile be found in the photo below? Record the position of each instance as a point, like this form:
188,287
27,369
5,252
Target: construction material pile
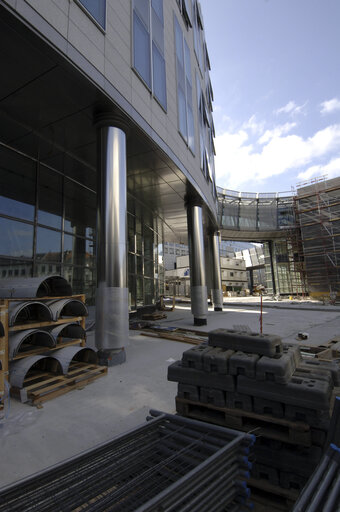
169,463
256,383
322,492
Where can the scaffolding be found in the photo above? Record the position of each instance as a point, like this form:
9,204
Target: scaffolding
316,244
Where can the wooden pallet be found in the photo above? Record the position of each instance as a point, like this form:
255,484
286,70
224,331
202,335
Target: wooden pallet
42,386
267,497
154,316
45,350
182,338
296,433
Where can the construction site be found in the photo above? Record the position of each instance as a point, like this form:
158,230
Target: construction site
123,388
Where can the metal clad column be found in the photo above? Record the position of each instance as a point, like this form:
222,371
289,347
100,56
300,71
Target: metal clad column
112,310
217,294
198,288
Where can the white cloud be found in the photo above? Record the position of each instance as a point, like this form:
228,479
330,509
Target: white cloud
330,106
331,170
291,108
239,163
276,132
253,125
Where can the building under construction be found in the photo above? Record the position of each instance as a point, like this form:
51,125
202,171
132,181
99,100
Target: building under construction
300,236
317,210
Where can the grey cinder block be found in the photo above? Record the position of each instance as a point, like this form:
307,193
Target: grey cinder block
179,373
319,364
262,472
212,396
313,416
276,369
217,360
301,392
263,406
239,401
263,344
193,358
188,392
241,363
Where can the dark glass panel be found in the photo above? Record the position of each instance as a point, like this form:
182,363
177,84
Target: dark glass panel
17,185
80,210
131,263
15,268
48,245
50,198
139,291
149,296
139,260
16,238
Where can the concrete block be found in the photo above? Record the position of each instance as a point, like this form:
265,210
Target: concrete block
217,359
319,364
212,396
239,401
193,358
295,459
289,347
292,481
179,373
263,344
241,363
313,416
188,392
263,406
300,392
310,373
262,472
276,369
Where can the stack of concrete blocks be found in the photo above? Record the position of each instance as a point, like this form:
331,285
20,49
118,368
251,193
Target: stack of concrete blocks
260,374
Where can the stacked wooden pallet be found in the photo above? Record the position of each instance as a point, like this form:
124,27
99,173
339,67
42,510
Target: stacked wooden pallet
267,389
43,382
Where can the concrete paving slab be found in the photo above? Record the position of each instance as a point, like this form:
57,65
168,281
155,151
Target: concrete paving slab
32,439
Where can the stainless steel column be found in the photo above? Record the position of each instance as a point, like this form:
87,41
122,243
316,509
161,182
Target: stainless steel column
198,288
217,294
112,310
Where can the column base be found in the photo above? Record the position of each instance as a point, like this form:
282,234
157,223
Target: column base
200,321
111,357
218,309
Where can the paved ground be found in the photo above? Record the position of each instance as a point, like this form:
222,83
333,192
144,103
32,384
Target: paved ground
32,439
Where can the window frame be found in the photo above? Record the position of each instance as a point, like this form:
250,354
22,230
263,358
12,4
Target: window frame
152,42
184,87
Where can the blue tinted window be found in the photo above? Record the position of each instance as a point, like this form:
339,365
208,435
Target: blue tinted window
97,9
16,239
141,50
159,84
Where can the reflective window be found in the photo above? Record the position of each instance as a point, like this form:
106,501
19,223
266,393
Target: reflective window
141,49
48,245
97,9
50,198
80,209
148,46
16,239
184,88
17,185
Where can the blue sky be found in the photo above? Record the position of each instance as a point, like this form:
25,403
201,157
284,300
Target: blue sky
276,81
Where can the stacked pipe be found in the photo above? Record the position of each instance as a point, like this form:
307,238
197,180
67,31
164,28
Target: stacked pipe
169,463
322,492
260,374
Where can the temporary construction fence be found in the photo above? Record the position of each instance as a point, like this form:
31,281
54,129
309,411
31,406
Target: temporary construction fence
169,463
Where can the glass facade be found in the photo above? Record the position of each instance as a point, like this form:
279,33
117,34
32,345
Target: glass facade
48,226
